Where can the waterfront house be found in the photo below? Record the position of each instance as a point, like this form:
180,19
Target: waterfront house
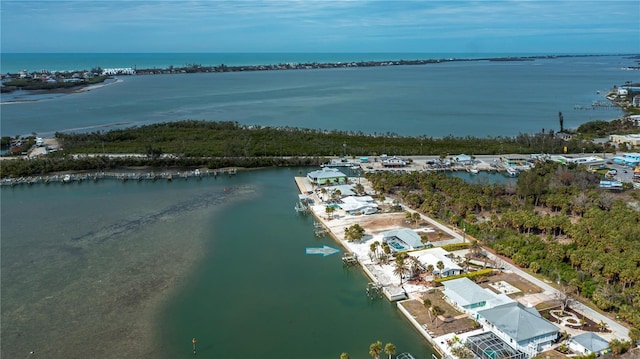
403,240
433,256
393,162
362,204
469,297
464,159
327,176
514,160
523,328
587,343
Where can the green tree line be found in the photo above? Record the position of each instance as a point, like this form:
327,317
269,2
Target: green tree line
555,222
220,144
205,138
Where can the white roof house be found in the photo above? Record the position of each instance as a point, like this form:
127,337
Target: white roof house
587,343
464,159
433,256
393,162
470,297
521,327
363,204
403,239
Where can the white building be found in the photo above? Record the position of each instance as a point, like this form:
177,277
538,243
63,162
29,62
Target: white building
404,239
523,328
433,256
631,140
327,176
587,343
469,297
360,204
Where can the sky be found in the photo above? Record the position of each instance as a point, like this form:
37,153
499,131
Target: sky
453,26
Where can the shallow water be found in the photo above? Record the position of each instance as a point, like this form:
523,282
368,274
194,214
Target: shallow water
84,266
131,269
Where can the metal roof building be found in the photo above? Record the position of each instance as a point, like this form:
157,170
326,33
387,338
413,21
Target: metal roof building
521,327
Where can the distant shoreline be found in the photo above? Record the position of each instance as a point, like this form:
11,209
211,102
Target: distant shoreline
67,91
197,68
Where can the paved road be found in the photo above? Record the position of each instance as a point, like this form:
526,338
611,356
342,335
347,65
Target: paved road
618,330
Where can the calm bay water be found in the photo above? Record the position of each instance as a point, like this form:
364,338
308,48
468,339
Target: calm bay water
477,98
114,269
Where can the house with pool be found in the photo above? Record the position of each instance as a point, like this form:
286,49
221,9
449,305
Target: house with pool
511,330
404,239
522,328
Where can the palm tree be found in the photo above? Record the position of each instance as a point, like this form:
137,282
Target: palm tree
427,304
374,248
430,268
400,269
440,266
390,349
336,194
344,356
437,311
375,349
416,218
476,248
329,210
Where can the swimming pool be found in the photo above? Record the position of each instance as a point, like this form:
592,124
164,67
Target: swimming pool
397,245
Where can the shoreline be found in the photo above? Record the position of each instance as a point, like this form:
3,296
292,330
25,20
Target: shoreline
383,276
305,187
57,92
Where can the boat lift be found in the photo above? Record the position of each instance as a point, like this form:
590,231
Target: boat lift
349,259
374,290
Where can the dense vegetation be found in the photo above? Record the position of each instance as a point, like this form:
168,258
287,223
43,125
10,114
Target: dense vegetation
37,84
555,222
225,144
57,163
204,138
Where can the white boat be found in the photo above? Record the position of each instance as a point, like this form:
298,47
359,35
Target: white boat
512,172
473,171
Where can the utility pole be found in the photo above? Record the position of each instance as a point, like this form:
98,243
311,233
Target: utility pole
464,232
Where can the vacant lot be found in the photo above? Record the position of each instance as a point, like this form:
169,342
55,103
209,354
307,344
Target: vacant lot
515,280
452,321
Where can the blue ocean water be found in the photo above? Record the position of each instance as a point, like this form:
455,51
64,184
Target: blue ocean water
78,260
15,62
466,98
